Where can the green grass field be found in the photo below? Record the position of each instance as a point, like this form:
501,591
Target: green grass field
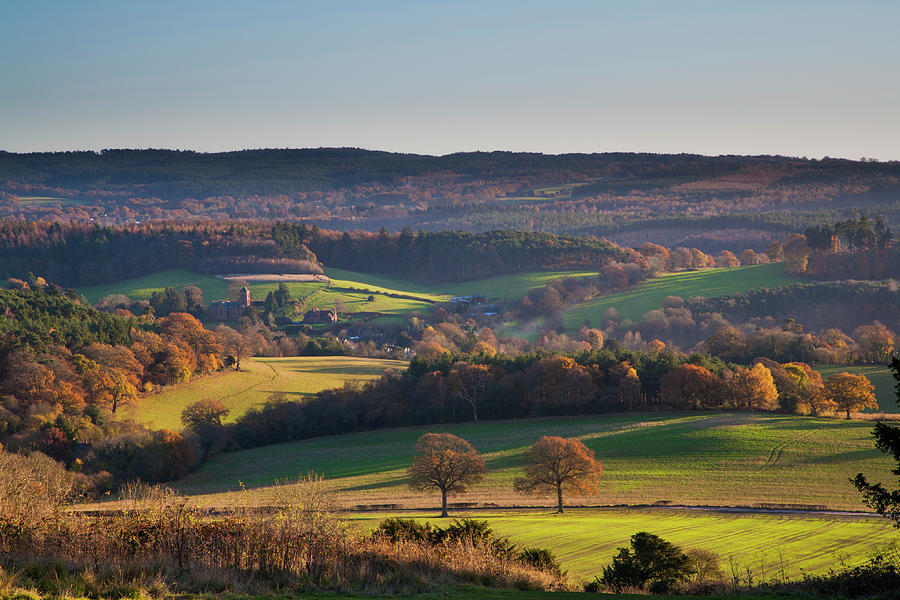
352,288
511,287
696,459
880,376
682,458
314,293
634,303
586,539
258,379
140,288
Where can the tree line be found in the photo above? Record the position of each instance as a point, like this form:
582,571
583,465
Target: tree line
80,255
452,255
450,389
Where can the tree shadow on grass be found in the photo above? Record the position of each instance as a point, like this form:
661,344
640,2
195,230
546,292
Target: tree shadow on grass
383,483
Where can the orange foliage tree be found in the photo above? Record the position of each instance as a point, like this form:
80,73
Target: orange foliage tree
447,463
796,253
555,464
691,386
876,342
754,389
850,392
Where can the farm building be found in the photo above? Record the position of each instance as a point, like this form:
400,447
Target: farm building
316,316
474,299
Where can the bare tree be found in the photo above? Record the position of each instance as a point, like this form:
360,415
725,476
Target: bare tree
236,345
469,383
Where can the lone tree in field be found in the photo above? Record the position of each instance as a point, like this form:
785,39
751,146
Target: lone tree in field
203,414
850,392
445,462
887,439
555,464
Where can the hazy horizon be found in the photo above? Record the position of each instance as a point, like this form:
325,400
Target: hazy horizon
487,151
793,79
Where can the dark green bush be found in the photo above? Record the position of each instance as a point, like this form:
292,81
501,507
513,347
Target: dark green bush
541,558
397,529
651,564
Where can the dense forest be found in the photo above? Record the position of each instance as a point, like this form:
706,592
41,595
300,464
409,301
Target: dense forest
457,255
73,254
707,202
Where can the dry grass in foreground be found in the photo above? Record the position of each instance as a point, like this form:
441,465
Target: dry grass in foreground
159,546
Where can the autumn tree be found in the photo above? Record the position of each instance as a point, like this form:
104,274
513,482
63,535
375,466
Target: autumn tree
566,386
628,385
203,414
850,392
187,331
235,345
30,382
594,337
727,258
749,257
876,342
555,464
107,386
691,386
469,383
429,350
800,388
754,389
796,253
774,252
887,439
447,463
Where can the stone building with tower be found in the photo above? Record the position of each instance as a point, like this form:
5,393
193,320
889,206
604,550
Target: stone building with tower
230,310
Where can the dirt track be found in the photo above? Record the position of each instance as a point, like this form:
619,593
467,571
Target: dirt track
273,277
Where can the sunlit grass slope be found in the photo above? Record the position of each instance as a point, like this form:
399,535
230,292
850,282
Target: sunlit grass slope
585,540
258,379
511,287
637,301
683,458
140,288
351,288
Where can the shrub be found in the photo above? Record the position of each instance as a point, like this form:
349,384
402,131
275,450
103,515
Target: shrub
33,487
469,533
407,530
543,559
651,564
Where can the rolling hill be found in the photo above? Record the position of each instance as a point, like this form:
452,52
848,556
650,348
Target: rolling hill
633,303
681,458
259,378
695,459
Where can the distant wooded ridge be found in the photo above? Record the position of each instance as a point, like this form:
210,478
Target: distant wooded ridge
708,202
183,173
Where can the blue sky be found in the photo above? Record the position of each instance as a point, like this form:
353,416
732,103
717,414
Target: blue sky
713,77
